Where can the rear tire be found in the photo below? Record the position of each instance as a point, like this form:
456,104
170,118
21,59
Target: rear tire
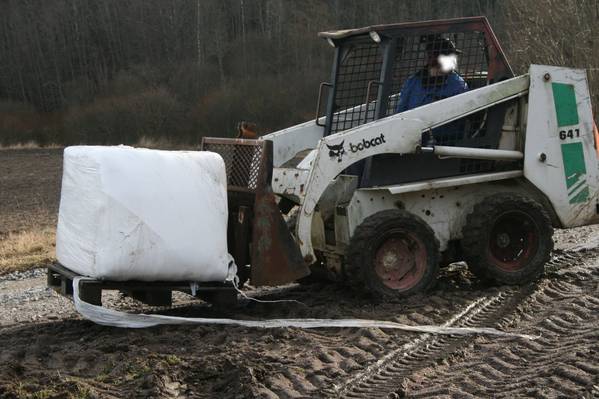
393,253
507,238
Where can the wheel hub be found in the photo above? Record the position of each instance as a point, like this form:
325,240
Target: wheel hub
513,241
400,261
503,240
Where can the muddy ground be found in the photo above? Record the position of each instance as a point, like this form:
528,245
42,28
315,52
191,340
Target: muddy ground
48,351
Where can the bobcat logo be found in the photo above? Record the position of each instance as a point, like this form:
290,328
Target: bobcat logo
336,151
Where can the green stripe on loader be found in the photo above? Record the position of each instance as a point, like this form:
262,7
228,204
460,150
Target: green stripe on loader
582,196
575,172
564,99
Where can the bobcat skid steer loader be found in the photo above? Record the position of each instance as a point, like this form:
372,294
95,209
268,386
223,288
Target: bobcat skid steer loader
382,198
380,195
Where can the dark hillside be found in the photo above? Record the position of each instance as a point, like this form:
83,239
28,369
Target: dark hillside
117,71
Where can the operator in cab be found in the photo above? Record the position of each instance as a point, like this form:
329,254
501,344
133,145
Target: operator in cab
438,80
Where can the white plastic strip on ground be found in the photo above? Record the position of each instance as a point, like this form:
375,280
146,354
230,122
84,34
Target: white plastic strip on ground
115,318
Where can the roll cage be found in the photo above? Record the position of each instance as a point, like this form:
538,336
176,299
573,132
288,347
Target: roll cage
371,65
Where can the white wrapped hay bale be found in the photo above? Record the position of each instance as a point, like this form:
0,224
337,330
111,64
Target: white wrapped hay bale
139,214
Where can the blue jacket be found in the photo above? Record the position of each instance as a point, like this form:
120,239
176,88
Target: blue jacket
415,92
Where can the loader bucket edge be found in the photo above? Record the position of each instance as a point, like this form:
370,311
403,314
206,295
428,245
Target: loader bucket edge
276,257
255,220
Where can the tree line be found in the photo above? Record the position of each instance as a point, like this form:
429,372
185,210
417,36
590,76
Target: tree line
119,71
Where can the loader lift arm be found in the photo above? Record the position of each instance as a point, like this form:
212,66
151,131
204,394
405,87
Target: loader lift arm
400,134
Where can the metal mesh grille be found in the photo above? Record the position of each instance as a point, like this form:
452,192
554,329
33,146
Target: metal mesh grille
360,64
360,68
412,56
366,88
242,163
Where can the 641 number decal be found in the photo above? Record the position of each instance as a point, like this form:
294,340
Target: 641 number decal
569,134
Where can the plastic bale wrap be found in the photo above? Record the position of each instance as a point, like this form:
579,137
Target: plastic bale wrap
138,214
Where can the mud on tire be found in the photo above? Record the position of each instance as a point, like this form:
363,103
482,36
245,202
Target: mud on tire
507,238
393,254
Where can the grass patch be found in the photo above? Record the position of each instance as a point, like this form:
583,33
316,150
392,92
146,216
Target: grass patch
162,143
70,389
173,360
27,249
21,391
28,145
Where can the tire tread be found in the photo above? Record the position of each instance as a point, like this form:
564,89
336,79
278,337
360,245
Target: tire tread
477,225
357,263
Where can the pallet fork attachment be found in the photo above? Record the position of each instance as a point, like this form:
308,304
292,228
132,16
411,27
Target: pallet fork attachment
257,232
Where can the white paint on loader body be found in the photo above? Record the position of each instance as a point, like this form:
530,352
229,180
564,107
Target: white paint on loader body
553,153
551,125
400,134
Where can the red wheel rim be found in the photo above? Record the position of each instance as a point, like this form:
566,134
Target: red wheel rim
400,261
513,241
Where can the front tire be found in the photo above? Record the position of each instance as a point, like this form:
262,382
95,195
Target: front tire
507,238
393,253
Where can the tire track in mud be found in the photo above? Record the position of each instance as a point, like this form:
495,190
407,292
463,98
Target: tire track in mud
289,362
390,376
561,363
382,378
327,355
337,361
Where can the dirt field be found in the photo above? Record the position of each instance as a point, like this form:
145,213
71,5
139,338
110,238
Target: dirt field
29,188
48,351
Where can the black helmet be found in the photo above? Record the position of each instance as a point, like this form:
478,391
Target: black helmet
441,45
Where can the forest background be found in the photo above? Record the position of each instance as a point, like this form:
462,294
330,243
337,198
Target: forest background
167,72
